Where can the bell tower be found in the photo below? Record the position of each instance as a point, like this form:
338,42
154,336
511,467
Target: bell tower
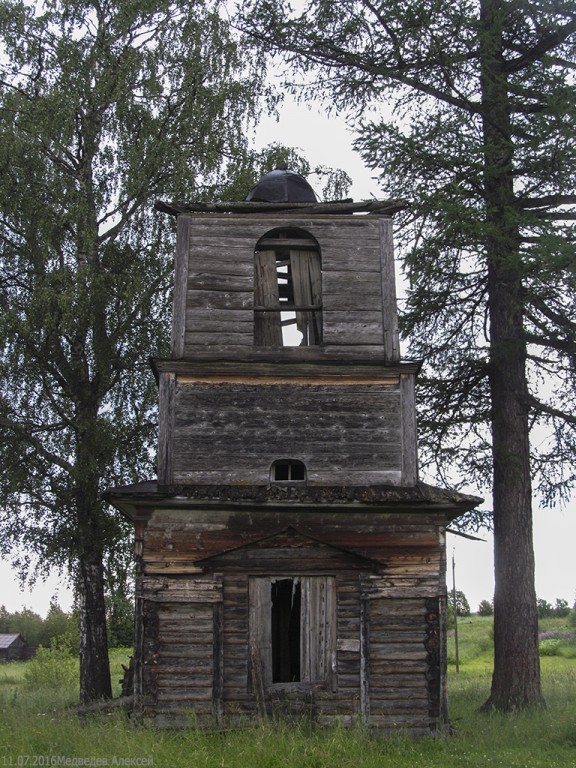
288,560
285,355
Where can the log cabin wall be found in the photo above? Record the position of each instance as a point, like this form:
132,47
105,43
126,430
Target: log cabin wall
204,585
356,430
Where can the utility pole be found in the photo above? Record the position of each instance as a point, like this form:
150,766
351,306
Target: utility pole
455,607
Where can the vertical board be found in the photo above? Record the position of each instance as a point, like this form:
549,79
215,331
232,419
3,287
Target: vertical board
180,285
218,664
267,325
364,661
409,430
260,611
167,391
318,633
389,308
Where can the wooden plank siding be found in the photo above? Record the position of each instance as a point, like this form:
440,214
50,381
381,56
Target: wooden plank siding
386,675
198,655
359,308
176,541
232,432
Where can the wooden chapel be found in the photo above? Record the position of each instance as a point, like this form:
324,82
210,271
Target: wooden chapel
289,561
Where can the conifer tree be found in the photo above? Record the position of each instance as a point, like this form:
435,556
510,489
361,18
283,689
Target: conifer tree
481,100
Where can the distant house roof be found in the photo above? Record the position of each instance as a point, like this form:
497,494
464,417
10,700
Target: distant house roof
7,640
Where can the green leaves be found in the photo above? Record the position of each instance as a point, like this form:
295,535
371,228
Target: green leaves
103,109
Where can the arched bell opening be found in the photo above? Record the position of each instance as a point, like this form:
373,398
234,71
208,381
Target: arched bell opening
287,289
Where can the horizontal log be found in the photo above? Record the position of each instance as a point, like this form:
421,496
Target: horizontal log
207,339
218,299
238,261
186,652
321,477
340,207
381,669
335,352
214,281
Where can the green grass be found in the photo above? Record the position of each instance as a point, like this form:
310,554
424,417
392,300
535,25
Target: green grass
35,720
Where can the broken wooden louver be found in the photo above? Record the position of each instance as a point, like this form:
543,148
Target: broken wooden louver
287,290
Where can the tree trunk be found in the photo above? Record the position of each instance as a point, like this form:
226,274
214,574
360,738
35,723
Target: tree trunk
516,677
94,662
95,680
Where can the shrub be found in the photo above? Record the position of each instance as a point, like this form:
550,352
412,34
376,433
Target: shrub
53,667
485,608
544,608
554,643
462,605
550,646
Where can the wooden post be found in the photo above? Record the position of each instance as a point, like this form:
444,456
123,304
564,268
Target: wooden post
364,661
455,611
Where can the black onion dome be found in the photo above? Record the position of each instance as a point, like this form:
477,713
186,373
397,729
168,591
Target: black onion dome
282,186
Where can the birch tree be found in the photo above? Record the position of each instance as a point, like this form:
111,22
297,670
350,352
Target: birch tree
105,105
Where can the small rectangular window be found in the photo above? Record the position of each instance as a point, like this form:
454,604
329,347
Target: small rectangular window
287,470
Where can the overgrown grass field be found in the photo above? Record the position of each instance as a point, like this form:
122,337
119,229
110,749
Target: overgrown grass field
39,725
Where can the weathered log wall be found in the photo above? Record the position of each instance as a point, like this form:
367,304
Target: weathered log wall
214,292
349,425
232,432
198,649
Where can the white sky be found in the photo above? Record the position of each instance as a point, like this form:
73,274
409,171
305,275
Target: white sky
327,141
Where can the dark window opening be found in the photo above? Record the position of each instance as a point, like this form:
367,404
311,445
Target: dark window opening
287,290
288,470
286,609
293,623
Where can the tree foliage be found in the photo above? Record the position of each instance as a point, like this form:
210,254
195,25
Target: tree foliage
485,608
105,105
467,108
36,631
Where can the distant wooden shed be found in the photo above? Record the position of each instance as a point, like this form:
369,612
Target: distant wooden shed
289,561
14,648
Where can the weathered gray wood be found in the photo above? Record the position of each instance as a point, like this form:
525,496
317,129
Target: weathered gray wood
383,207
167,392
201,589
364,286
287,365
364,662
260,608
267,327
389,309
225,299
351,275
342,332
239,338
336,352
409,431
318,648
207,280
218,664
180,286
261,476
